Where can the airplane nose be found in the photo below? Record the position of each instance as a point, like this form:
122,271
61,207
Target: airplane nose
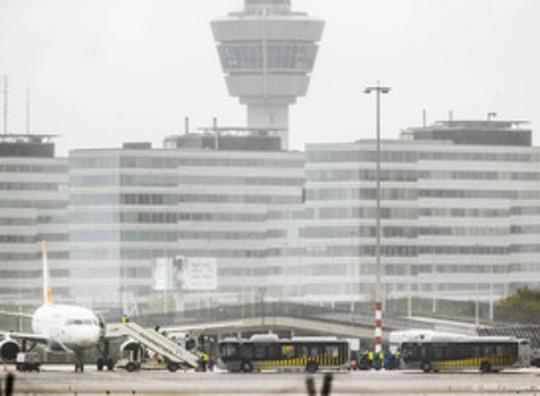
90,338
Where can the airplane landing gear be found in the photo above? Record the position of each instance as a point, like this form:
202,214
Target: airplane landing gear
104,360
79,362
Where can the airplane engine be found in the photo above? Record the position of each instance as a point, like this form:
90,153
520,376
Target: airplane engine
9,350
131,349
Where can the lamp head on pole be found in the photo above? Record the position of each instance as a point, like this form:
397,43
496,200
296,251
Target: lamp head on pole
383,90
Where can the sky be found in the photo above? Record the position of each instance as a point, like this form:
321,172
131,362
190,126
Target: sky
103,72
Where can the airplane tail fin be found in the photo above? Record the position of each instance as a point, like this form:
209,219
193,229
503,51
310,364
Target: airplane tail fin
47,291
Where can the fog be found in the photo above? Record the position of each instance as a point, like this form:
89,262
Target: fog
102,72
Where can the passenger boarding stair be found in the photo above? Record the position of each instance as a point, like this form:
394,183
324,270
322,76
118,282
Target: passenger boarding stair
159,343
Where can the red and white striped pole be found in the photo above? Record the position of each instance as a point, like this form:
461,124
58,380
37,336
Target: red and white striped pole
378,89
378,327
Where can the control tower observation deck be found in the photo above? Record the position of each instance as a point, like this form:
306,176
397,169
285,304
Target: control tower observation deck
267,53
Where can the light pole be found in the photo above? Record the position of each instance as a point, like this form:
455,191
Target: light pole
378,89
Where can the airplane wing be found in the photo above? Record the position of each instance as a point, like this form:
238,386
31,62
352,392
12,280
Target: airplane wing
25,336
17,314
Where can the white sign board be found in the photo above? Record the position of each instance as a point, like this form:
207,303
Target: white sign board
164,274
200,274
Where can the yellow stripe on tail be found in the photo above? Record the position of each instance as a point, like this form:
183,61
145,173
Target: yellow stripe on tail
47,292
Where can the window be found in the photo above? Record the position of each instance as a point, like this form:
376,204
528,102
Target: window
229,350
260,352
287,351
246,351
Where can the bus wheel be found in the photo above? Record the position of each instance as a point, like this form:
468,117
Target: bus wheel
485,367
247,367
131,367
312,367
172,367
426,367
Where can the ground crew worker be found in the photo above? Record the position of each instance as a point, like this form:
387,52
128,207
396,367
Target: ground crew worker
203,358
124,319
398,356
370,359
381,359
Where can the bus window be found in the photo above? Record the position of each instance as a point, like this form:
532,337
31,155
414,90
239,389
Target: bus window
438,351
273,352
331,351
287,351
410,351
260,352
315,350
489,350
246,351
228,350
303,350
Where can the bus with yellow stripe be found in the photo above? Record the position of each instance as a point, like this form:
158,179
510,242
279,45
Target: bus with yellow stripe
268,352
449,353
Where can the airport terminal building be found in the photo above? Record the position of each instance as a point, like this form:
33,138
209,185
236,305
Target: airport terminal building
459,214
131,206
33,207
460,217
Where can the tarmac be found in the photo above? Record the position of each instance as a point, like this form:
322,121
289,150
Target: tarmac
62,380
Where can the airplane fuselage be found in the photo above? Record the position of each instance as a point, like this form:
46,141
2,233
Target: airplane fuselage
71,327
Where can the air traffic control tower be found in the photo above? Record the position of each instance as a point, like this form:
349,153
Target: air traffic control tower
267,52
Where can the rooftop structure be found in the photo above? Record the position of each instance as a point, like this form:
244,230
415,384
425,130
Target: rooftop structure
474,132
15,145
227,138
267,53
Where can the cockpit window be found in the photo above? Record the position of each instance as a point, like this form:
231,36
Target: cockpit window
79,322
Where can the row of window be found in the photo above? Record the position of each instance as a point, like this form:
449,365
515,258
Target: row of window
484,175
124,235
525,210
358,232
124,180
26,168
407,251
123,199
31,186
33,204
365,155
401,194
32,274
124,218
245,199
363,175
463,212
102,272
117,254
219,217
12,256
279,55
399,232
172,163
241,181
365,213
474,194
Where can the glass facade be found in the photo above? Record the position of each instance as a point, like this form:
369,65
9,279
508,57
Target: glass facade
33,208
130,207
468,212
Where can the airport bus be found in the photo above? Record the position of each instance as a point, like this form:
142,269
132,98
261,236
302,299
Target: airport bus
447,353
268,352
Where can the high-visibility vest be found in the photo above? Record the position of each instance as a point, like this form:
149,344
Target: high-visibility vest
381,356
370,356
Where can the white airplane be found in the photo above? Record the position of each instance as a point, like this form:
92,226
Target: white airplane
61,328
